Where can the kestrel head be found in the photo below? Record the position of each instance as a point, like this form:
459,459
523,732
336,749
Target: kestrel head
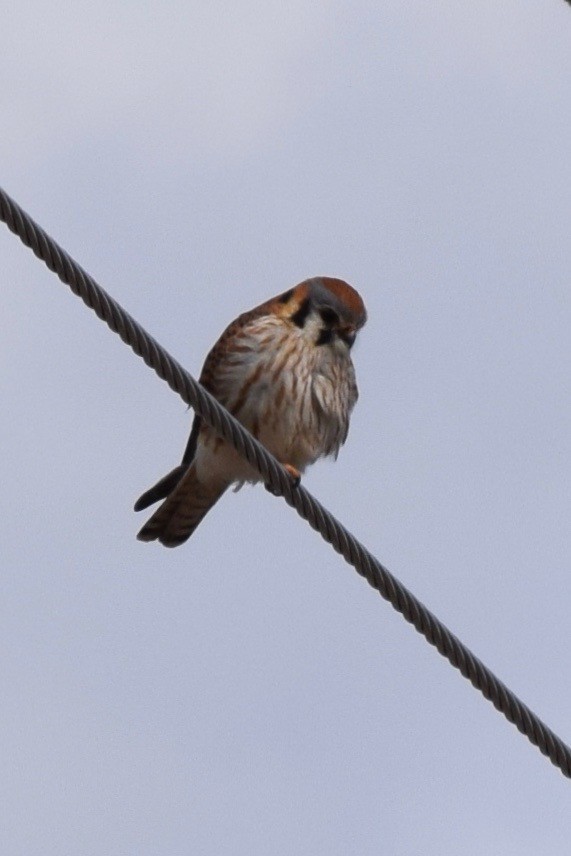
328,310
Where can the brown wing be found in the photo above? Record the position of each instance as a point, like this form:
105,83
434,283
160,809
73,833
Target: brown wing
168,483
208,376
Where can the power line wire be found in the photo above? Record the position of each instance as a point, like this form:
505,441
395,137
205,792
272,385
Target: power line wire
279,481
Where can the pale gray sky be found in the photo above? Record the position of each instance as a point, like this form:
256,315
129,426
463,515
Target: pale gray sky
248,693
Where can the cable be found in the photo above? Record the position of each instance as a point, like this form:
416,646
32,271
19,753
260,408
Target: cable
279,481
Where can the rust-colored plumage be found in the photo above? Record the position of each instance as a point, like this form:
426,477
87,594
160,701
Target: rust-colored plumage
284,370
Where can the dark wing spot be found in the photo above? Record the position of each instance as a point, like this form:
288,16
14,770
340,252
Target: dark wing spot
300,316
286,296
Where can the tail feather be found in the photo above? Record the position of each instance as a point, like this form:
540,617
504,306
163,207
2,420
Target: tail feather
162,488
181,512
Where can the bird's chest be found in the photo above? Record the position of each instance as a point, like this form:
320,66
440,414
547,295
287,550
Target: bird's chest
299,401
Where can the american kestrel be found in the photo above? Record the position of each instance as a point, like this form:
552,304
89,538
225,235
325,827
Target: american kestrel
284,370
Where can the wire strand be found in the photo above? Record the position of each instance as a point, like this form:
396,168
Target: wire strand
279,481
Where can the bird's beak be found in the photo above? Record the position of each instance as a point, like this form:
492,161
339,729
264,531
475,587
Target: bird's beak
348,334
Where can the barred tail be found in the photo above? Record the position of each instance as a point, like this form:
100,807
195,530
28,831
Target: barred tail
162,488
181,512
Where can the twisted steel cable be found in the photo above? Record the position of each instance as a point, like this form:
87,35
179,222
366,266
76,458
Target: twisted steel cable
280,483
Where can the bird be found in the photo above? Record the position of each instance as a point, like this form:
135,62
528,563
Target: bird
284,370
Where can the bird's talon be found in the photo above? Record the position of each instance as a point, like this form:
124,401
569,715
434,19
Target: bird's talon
295,474
271,490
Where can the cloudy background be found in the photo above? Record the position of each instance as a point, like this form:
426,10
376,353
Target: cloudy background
248,693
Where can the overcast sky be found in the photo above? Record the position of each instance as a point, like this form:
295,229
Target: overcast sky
248,693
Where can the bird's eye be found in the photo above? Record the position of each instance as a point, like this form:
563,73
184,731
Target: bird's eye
329,316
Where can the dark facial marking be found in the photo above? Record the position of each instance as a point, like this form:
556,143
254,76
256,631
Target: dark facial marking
329,316
300,316
324,337
285,297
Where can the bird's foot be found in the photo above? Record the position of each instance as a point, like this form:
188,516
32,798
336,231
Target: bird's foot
293,473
